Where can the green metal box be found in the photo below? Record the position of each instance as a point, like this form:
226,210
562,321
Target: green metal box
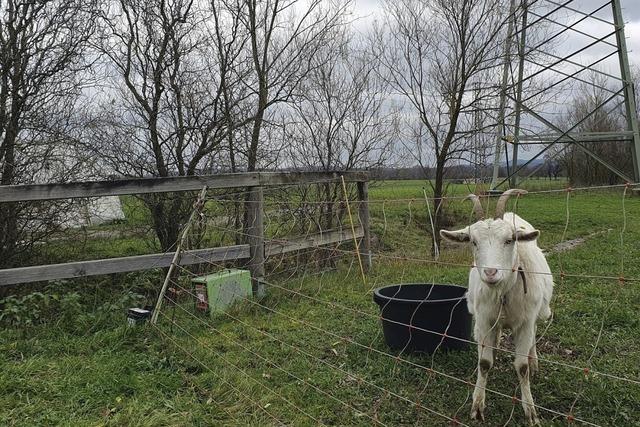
225,287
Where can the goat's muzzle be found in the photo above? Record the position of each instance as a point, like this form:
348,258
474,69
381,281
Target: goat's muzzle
491,276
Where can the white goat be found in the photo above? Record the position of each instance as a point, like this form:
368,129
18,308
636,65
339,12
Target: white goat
510,286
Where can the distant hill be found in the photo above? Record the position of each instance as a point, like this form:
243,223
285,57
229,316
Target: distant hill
537,162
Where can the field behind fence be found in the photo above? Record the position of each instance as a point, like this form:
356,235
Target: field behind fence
312,352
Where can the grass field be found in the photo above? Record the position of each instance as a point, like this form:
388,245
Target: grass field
312,350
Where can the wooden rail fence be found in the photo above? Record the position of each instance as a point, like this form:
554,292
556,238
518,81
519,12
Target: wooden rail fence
255,251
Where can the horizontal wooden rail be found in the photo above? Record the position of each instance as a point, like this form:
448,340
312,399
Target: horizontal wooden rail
32,192
319,239
78,269
72,270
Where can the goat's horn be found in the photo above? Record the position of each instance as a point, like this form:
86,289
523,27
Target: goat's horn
502,201
477,207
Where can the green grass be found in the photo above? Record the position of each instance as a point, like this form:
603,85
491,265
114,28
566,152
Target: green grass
408,189
91,370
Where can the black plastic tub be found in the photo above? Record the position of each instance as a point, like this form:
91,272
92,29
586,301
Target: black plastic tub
422,317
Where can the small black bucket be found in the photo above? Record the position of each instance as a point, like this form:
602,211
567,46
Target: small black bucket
418,316
137,316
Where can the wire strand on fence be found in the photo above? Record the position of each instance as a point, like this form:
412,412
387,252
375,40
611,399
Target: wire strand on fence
327,364
287,266
208,368
487,196
335,305
395,357
429,370
455,264
219,403
270,362
588,369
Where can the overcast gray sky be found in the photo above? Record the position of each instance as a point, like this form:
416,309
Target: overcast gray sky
372,9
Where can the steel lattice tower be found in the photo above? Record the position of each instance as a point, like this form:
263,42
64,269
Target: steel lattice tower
521,123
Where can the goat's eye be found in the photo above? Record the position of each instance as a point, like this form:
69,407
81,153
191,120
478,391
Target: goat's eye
473,242
508,242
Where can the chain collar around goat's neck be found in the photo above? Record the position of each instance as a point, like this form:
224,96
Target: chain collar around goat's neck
524,279
503,298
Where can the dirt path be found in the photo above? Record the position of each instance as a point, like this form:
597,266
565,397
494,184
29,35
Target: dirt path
568,245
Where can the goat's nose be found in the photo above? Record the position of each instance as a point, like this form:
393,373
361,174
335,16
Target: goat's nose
490,272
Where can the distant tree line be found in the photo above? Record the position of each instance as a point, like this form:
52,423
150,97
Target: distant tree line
548,169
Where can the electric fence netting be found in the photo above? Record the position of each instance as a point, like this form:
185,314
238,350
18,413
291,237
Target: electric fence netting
310,350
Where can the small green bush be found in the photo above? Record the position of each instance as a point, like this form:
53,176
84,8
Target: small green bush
68,309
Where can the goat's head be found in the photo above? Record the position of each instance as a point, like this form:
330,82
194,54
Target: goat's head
493,241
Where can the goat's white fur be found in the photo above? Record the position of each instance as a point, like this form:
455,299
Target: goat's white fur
504,304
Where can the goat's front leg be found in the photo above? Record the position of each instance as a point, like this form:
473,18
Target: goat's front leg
524,339
487,336
533,356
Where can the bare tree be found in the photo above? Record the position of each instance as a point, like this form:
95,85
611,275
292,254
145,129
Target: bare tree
232,66
432,52
341,118
43,53
174,96
283,36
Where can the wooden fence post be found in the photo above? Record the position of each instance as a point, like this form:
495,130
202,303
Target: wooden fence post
255,239
363,213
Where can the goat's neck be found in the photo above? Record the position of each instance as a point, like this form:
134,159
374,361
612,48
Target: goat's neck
510,280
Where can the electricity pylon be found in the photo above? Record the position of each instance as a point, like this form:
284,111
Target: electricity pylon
535,62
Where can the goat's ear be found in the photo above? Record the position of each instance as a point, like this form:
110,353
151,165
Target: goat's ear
527,235
456,236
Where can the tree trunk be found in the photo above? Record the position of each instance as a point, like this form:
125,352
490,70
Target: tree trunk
167,216
8,216
438,214
252,158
